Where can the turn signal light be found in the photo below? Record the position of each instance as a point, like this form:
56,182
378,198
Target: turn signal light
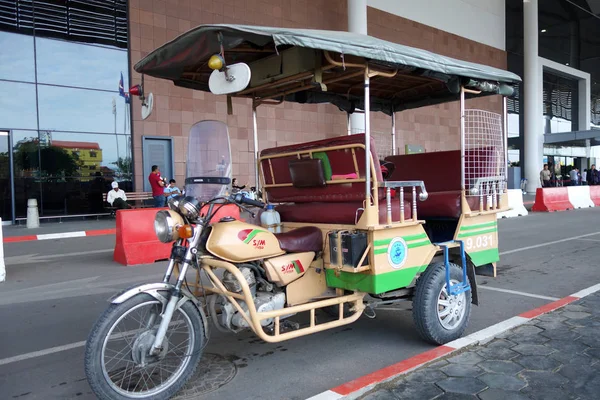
185,231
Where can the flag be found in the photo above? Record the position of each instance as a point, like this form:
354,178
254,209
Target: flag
121,88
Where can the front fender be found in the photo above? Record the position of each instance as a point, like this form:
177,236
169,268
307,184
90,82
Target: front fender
154,289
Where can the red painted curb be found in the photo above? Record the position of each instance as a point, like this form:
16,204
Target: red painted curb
100,232
19,239
29,238
395,369
548,307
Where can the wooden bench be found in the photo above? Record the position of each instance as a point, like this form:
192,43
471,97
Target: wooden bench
139,200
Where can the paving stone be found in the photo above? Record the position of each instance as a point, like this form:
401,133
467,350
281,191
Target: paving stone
567,346
499,394
578,375
528,339
575,307
462,385
550,317
568,358
561,334
591,322
469,357
426,375
501,381
456,396
547,393
460,370
551,325
416,390
594,353
542,379
381,395
501,367
533,350
592,341
500,344
576,314
497,353
538,363
527,330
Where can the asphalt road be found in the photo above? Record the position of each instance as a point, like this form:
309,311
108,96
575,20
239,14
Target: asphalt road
52,298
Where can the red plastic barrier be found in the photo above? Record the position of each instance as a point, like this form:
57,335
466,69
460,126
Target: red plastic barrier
552,199
136,241
595,195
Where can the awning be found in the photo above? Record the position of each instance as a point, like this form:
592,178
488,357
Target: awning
424,77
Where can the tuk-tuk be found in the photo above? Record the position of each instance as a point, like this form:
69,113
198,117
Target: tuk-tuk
355,231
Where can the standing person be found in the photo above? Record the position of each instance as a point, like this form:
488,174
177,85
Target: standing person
574,175
157,184
545,176
117,198
593,177
584,177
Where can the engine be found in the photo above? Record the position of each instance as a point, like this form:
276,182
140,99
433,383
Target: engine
265,299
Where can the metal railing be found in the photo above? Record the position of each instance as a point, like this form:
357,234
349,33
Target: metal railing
389,185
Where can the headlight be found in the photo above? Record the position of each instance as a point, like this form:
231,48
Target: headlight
189,207
166,223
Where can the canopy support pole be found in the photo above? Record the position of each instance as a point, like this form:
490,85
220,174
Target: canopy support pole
393,132
256,157
505,137
462,138
349,123
367,137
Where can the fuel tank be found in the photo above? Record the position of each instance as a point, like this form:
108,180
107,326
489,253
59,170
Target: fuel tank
237,241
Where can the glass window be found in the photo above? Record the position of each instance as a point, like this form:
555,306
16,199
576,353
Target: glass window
77,169
75,64
17,106
26,168
17,57
80,110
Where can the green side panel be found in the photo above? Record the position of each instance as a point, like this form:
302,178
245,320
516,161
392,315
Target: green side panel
478,226
408,238
419,244
484,257
381,251
374,284
476,233
326,165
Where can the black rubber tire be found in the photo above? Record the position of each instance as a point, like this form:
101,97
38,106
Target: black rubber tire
93,356
425,303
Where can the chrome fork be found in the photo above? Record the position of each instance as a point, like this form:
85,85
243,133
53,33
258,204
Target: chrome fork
167,314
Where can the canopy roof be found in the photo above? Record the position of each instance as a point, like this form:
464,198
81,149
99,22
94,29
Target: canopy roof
337,60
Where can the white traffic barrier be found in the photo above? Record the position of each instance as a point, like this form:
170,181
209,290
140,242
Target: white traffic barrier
33,217
515,202
580,196
2,265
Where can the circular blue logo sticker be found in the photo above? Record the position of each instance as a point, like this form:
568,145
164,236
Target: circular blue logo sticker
397,251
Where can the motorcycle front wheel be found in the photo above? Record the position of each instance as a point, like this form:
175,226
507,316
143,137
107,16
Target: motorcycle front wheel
118,365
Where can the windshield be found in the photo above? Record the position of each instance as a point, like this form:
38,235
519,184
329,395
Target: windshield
208,170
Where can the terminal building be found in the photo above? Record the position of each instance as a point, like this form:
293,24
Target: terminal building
66,132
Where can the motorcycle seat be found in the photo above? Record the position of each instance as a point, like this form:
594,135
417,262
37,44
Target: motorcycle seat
300,240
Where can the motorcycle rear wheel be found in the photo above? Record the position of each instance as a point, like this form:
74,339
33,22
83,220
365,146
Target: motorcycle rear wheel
123,382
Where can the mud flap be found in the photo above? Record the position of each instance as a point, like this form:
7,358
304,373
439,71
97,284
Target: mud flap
473,280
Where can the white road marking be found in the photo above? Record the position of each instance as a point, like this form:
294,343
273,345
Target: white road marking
52,350
327,395
61,235
587,292
547,243
537,296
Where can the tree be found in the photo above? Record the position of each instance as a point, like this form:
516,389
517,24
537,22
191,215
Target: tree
124,165
56,162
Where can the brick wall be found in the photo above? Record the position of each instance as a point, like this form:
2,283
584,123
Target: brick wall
153,22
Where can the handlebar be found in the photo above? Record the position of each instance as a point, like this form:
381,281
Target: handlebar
240,198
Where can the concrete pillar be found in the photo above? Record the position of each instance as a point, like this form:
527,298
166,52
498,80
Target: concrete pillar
357,23
534,138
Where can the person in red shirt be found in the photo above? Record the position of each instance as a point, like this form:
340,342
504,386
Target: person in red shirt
157,184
